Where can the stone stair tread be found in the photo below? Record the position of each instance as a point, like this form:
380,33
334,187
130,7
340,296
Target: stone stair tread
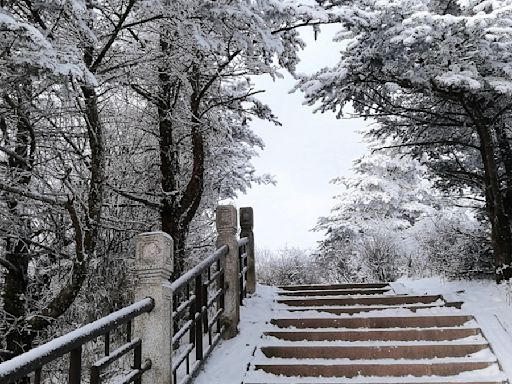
472,377
384,367
333,286
356,330
353,322
361,300
374,352
484,356
363,308
273,342
331,292
389,335
424,380
489,375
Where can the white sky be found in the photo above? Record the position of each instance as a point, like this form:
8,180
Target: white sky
304,154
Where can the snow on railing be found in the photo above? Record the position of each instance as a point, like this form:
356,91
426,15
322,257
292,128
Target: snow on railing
206,299
34,360
198,298
204,303
243,265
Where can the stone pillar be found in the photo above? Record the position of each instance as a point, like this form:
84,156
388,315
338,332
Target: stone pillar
247,225
227,222
153,268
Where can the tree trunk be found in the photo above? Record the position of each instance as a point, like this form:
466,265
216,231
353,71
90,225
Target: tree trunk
506,156
501,233
16,286
179,205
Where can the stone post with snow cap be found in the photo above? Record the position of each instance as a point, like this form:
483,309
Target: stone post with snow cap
153,268
247,225
227,223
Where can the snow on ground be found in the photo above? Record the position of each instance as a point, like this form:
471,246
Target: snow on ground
228,362
489,303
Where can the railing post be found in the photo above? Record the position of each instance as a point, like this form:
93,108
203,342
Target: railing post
247,225
227,222
153,269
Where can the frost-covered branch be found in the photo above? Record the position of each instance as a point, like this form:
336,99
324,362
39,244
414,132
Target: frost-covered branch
427,143
49,199
133,197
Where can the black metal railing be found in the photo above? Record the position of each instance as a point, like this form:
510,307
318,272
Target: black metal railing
32,362
242,257
198,301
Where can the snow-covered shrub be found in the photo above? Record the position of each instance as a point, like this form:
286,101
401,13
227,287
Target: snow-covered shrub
380,256
285,266
389,220
454,244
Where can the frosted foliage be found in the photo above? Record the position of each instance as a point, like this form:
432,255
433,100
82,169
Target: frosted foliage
119,117
437,77
286,266
390,221
414,44
24,44
384,187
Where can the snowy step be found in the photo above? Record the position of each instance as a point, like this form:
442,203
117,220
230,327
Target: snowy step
392,334
426,380
365,335
384,367
355,352
490,375
374,322
335,292
360,309
333,286
364,300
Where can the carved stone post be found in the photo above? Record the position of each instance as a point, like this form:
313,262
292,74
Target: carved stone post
153,268
247,225
227,222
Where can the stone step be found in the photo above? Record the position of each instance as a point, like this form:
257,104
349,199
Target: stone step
371,346
333,286
487,376
409,380
336,292
434,334
353,352
362,309
420,380
375,322
362,300
383,368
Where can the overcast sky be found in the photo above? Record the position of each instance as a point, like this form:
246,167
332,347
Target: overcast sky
304,154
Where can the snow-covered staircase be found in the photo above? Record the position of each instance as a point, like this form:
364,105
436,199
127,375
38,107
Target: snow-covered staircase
364,333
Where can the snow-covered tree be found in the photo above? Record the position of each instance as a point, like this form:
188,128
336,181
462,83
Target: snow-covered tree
365,233
118,117
389,220
438,75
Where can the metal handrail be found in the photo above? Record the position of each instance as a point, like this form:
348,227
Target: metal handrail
199,268
198,303
242,264
243,241
36,358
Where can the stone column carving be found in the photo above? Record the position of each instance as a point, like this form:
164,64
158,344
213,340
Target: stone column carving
153,268
227,222
247,225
